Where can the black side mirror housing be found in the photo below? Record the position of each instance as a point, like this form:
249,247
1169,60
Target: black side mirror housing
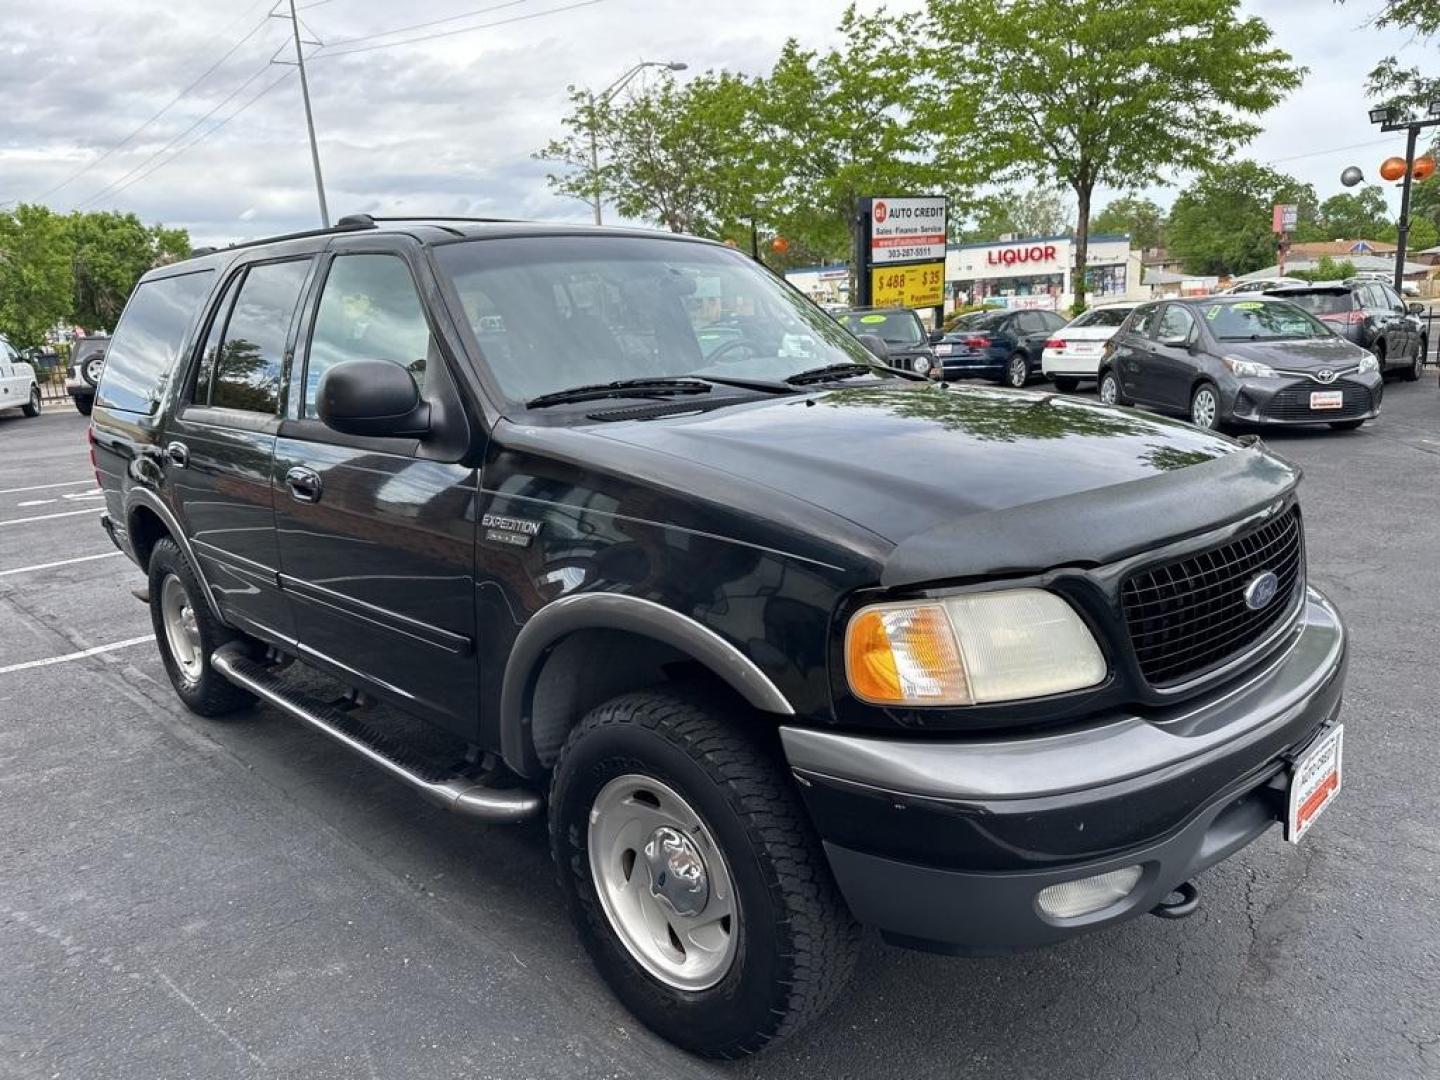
876,344
937,336
1416,309
374,398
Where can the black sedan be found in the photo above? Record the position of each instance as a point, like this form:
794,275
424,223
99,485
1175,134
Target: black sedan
1002,345
1238,359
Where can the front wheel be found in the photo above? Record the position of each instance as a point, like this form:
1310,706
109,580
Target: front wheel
1017,371
1109,390
83,405
1417,364
1205,407
32,406
1066,384
694,877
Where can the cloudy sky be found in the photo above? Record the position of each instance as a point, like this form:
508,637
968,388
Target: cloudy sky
447,125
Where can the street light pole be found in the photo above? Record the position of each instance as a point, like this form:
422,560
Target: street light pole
1385,117
309,117
605,98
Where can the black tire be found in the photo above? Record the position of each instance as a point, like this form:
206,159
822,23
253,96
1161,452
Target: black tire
1066,384
1017,371
1214,422
1416,367
91,369
83,405
208,693
1379,351
32,404
1346,425
1108,376
795,939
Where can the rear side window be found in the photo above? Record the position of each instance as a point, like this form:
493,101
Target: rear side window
148,341
1142,322
249,367
368,311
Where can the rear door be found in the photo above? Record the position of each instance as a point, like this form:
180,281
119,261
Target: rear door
1401,336
220,446
377,535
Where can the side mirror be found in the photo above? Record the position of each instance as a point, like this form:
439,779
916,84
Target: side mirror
876,344
372,397
1415,309
1176,343
937,336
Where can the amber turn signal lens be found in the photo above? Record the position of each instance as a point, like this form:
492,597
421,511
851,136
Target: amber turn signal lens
905,654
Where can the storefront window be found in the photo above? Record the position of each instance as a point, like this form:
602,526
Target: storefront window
1105,280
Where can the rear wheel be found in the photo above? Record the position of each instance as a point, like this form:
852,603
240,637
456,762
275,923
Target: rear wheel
1205,407
1110,392
32,406
1066,384
1017,371
91,370
83,405
1346,425
1417,364
188,634
693,874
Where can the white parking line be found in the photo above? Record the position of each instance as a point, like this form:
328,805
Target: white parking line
48,517
44,487
62,562
35,502
127,643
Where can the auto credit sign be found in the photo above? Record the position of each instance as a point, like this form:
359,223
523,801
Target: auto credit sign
907,230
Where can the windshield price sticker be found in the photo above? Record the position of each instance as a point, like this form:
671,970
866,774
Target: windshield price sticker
908,286
907,230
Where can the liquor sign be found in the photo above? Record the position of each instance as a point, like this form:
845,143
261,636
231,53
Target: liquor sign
907,230
1284,218
919,286
900,251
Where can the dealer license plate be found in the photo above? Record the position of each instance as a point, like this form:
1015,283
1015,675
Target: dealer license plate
1314,783
1327,399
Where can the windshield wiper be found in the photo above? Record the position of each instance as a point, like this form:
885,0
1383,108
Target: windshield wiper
620,388
849,371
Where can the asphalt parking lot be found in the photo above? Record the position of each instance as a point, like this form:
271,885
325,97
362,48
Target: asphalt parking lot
186,898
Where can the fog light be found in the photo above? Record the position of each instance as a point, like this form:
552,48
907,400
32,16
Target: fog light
1071,899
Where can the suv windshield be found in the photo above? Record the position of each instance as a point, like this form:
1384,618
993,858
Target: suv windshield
1262,320
1107,316
568,311
896,327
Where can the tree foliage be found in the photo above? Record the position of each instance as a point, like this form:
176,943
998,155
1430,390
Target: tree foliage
1220,224
1094,92
1327,269
36,276
1410,89
1140,217
1035,211
1354,215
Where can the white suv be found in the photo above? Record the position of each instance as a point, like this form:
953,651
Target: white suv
18,388
1073,352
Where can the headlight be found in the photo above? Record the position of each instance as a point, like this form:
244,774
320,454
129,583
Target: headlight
922,366
1250,368
966,650
1368,363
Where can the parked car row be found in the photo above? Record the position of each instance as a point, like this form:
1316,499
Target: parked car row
18,386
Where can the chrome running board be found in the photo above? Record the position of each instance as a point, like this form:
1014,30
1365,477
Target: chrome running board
456,792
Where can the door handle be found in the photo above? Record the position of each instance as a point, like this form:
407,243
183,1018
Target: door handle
304,484
178,454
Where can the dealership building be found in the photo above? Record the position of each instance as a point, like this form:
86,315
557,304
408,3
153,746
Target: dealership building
1032,273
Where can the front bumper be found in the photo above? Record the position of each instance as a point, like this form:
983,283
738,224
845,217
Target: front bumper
1284,401
946,845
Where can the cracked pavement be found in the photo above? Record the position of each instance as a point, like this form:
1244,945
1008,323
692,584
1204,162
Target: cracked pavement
185,898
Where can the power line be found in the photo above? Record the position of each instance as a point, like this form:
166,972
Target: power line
206,134
166,107
427,25
1332,150
114,184
463,30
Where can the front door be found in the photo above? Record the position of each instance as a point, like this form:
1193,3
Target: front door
377,535
218,448
1172,367
1135,355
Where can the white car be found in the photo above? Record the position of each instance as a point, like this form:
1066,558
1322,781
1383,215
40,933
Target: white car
1259,285
18,388
1073,352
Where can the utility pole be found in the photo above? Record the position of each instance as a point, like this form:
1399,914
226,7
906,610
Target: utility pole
594,162
1385,116
596,187
309,117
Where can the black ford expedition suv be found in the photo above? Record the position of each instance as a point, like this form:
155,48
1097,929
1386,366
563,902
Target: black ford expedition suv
782,640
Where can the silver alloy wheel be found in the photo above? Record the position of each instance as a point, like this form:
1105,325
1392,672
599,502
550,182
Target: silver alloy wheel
1019,371
663,883
1203,408
93,368
182,632
1109,391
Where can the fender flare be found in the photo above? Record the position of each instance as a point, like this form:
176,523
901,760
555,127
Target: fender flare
616,611
140,496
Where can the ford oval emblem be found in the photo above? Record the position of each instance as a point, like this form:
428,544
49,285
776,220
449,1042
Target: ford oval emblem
1261,590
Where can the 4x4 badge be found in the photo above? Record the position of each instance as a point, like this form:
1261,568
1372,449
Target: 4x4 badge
1261,590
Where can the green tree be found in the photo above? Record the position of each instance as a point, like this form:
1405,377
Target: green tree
1425,201
1141,218
1221,223
109,252
1033,212
1352,216
1327,269
1409,89
1104,91
36,277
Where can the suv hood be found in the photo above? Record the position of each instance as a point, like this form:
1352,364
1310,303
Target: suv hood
918,465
